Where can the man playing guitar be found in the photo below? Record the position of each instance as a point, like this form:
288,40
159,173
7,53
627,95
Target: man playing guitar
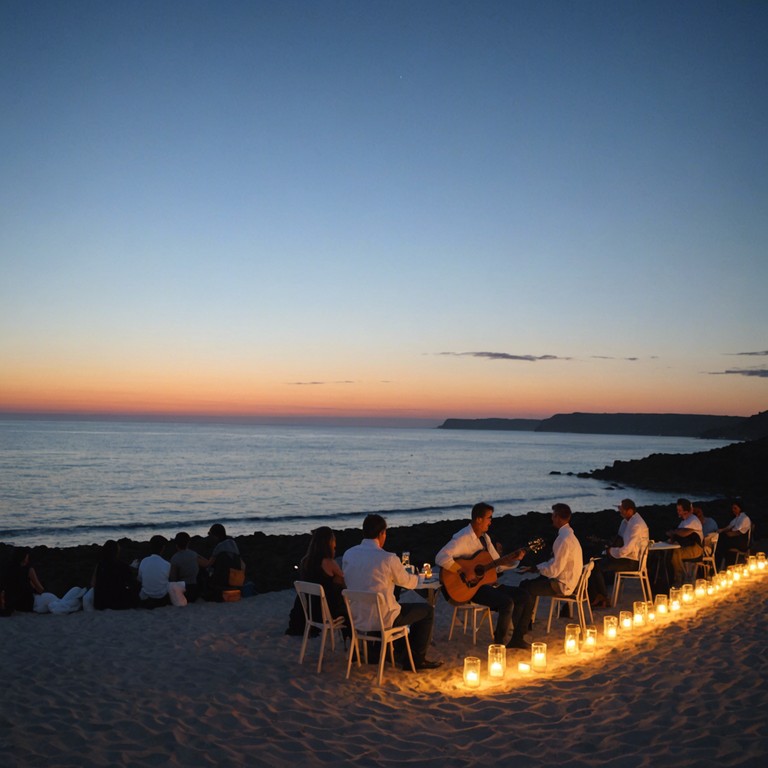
508,602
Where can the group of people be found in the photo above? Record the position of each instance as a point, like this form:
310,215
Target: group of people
152,582
369,567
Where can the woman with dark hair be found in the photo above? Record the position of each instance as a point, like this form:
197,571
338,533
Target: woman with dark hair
114,585
319,566
19,582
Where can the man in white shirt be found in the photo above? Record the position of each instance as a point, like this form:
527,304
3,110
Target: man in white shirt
368,568
689,535
735,535
559,576
153,574
509,602
625,556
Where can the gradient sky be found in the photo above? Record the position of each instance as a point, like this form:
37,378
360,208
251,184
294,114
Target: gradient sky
401,209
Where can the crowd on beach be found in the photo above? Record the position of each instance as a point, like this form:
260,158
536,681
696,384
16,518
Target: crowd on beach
180,576
471,561
150,583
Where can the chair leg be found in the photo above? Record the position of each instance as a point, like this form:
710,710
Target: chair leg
551,611
453,621
616,588
322,648
307,628
382,659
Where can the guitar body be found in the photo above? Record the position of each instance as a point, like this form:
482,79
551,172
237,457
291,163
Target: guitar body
478,569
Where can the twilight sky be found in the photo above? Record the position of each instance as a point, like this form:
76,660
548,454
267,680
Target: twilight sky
396,209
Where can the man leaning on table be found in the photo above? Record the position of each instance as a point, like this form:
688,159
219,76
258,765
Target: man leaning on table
625,556
369,568
689,535
509,602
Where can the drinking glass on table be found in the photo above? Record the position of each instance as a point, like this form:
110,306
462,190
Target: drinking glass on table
405,558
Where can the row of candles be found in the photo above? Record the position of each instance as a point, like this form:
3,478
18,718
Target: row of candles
643,614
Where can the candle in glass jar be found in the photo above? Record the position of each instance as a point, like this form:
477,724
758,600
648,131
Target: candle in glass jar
662,606
625,621
497,661
590,639
610,628
539,656
472,672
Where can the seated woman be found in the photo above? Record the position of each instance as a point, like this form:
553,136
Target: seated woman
20,585
733,537
320,567
114,585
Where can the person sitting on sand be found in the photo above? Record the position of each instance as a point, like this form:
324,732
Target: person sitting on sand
708,524
154,572
225,556
733,536
320,567
368,568
559,576
20,586
185,566
114,585
689,536
508,601
624,555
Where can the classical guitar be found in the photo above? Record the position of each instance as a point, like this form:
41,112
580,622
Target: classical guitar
477,570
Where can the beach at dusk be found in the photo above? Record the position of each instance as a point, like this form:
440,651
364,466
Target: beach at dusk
219,683
275,266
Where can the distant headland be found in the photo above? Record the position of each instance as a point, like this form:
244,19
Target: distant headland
662,424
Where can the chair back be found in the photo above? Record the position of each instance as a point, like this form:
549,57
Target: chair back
365,608
580,592
642,561
710,543
307,590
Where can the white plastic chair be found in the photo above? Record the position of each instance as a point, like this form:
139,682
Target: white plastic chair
306,590
641,574
366,604
743,554
579,598
480,614
706,561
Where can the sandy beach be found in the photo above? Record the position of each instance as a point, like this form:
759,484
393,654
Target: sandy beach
219,684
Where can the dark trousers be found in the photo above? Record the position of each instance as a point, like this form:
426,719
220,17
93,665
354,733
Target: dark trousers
511,603
596,586
726,542
420,617
540,587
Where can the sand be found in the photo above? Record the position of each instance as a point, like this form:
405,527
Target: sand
219,684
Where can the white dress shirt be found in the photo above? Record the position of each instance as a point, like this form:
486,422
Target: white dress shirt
153,576
740,524
369,568
466,543
567,561
633,533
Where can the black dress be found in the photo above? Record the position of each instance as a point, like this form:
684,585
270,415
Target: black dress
333,597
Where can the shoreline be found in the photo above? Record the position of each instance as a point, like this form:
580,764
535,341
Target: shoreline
271,558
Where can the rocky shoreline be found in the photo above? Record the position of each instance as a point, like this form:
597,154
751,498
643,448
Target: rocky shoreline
271,560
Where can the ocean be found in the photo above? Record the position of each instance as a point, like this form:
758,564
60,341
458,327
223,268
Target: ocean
64,483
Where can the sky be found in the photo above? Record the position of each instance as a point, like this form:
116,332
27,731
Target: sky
403,210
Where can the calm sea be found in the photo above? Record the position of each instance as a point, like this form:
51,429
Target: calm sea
64,483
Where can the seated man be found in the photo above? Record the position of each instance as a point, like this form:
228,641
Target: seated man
154,571
708,524
185,566
368,568
735,535
509,602
689,536
559,576
624,556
